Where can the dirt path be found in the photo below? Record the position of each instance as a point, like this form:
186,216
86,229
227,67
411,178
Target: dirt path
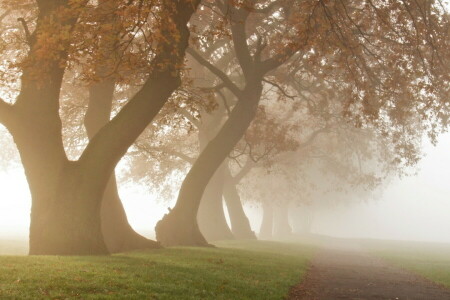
349,273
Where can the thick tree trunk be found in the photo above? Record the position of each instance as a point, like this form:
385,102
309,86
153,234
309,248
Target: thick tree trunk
211,217
180,227
117,232
240,226
68,224
67,196
65,216
282,228
266,229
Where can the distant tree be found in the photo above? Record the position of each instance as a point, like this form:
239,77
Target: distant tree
383,56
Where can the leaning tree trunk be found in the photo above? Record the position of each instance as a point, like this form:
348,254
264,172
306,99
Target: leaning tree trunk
266,229
240,226
282,228
211,217
117,232
180,227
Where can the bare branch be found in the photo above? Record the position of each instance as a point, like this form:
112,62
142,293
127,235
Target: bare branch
216,71
150,151
26,29
244,171
279,88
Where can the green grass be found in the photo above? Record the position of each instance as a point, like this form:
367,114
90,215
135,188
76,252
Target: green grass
234,270
430,260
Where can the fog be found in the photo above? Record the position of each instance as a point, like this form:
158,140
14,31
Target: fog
412,208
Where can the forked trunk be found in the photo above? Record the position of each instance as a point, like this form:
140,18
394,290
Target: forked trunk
67,196
117,232
211,217
240,226
65,212
266,230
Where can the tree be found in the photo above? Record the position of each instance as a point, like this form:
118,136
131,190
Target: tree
372,52
67,195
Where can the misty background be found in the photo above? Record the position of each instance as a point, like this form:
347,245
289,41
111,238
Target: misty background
412,208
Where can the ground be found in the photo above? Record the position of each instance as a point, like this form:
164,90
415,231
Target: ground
430,260
308,268
233,270
349,269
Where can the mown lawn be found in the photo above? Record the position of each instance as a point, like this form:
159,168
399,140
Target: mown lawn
430,260
233,270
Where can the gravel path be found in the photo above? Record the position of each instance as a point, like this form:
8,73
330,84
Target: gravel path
337,273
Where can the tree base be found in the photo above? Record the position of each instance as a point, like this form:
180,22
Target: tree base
216,234
65,240
132,242
178,230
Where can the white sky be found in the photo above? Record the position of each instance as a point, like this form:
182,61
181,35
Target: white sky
415,208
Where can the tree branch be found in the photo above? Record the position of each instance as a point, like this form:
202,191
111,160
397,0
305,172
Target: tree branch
5,113
244,171
183,111
26,29
279,88
171,152
216,71
313,136
111,142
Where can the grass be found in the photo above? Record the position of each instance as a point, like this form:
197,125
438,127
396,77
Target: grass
430,260
234,270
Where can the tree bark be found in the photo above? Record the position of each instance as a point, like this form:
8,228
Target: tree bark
240,226
180,226
117,232
282,228
211,216
266,229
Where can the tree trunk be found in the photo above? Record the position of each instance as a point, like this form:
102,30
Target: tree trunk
65,216
266,230
117,232
282,228
211,217
180,227
240,226
303,220
67,196
68,224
